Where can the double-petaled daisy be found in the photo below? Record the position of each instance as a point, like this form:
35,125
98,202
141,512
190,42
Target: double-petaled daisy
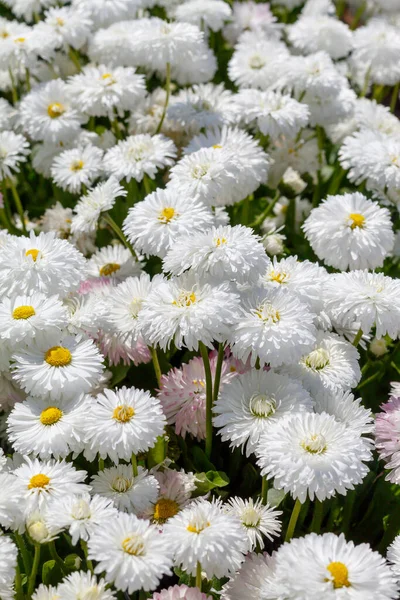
73,169
176,488
113,261
89,208
13,150
254,579
387,428
257,519
83,585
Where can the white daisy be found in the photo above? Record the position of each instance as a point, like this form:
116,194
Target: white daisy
202,106
211,14
376,46
249,403
11,500
8,562
257,519
87,314
252,579
114,261
313,33
175,492
84,585
131,552
393,556
69,25
312,455
45,592
78,167
14,149
346,409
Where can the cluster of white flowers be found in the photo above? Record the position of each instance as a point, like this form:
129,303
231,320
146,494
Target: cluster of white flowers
199,299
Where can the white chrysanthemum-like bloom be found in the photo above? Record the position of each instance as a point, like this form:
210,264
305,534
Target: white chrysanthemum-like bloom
98,91
315,74
114,262
252,579
83,585
326,566
224,252
123,422
26,8
128,493
40,263
107,12
65,366
77,167
350,231
251,16
87,313
89,208
250,403
393,556
8,562
47,114
312,455
162,218
258,520
13,150
366,298
313,33
376,48
257,62
332,364
346,409
204,533
175,492
80,514
185,310
180,592
47,480
47,429
139,155
126,301
24,317
131,552
69,25
11,500
202,106
272,113
334,109
275,327
209,13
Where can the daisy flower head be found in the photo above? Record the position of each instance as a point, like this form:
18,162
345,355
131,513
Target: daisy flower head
78,167
366,298
83,584
376,46
98,91
250,16
11,500
14,149
8,562
186,311
47,429
139,155
45,592
250,403
40,263
116,348
252,579
387,431
312,455
87,313
271,113
327,566
350,231
258,520
183,395
315,74
347,410
175,492
162,218
106,12
332,364
180,592
80,514
43,481
204,533
202,106
70,25
211,14
274,327
224,252
24,317
313,33
123,422
131,552
127,492
393,556
113,262
64,367
47,113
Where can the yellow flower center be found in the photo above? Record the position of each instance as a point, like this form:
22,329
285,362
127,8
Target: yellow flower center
166,215
50,415
109,269
357,220
121,484
57,356
33,252
20,40
4,35
165,509
267,313
340,575
279,277
55,110
134,545
185,299
77,165
220,241
60,21
23,312
197,527
315,444
217,147
123,413
108,78
317,359
38,481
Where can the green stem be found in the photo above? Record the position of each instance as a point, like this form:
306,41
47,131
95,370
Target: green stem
358,337
115,128
168,93
266,212
293,520
13,86
209,397
54,555
317,516
134,465
26,557
18,584
264,490
366,83
75,58
358,15
156,365
28,79
89,563
369,380
146,184
18,205
35,566
101,464
198,576
218,370
395,95
118,231
395,367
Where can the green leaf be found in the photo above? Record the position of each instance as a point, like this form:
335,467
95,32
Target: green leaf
200,460
46,571
210,480
119,373
156,455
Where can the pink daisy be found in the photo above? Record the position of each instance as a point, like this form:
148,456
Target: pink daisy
387,437
113,347
181,592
